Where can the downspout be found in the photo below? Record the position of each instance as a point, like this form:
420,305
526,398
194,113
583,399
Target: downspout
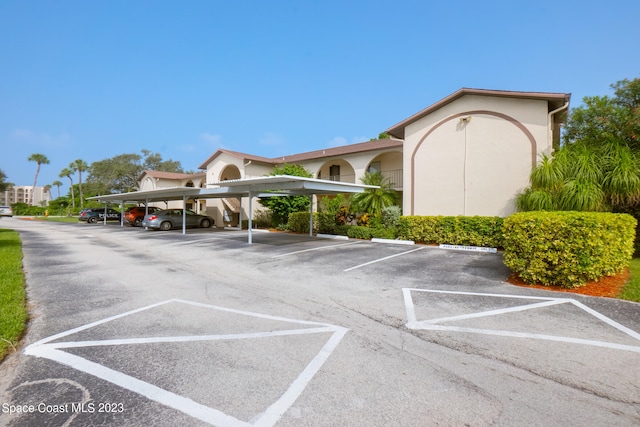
551,114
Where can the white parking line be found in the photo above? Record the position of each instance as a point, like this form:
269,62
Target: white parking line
435,323
385,258
268,417
314,249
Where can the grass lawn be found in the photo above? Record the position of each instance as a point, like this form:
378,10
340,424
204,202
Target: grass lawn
631,291
56,218
13,307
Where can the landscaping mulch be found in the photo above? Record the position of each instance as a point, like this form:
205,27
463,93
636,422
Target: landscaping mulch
609,286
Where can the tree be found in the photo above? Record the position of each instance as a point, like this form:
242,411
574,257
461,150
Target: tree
604,119
80,166
40,159
153,161
3,184
381,135
120,174
66,172
282,206
598,166
373,200
57,184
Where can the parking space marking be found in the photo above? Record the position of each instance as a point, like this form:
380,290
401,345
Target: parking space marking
385,258
434,324
190,242
45,348
314,249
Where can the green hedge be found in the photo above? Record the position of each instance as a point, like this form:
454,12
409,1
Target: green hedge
567,248
483,231
299,222
325,223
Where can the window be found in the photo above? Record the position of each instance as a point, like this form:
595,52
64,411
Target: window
334,172
374,167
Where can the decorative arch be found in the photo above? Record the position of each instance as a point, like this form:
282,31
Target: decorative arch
229,172
345,171
505,117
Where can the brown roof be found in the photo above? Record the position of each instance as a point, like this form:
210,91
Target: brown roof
238,155
376,144
170,175
555,100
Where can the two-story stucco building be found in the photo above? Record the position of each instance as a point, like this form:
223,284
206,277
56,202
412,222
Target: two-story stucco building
470,153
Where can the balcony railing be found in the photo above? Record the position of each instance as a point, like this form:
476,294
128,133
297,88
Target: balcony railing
339,178
394,177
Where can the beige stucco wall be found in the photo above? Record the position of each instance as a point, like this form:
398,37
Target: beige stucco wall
476,167
226,166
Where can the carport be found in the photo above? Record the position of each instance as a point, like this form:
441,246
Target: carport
267,186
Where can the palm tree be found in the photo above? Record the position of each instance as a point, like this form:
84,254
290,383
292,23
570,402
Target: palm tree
57,184
80,166
584,178
373,200
66,172
40,159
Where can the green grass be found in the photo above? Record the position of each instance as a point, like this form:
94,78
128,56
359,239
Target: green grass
631,291
13,307
73,219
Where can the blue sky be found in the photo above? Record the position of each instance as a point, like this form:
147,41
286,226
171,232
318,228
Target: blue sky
94,79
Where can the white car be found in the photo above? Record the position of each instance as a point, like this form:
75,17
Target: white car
6,211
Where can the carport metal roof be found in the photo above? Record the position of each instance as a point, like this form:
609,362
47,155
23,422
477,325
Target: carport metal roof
278,185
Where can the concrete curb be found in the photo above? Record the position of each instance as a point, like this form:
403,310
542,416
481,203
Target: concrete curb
331,236
393,241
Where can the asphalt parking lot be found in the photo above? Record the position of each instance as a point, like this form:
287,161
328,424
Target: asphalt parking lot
133,327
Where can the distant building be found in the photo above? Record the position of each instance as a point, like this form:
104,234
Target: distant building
22,194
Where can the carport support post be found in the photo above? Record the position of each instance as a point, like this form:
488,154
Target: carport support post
104,219
249,236
184,214
121,213
311,215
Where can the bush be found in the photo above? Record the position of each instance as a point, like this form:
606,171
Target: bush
299,222
27,210
567,248
384,232
359,232
485,231
391,215
326,223
261,219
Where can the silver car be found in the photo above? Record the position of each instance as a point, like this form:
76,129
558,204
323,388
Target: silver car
6,211
172,218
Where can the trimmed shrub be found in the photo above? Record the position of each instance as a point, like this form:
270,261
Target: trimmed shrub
326,222
299,222
567,248
359,232
485,231
262,219
384,232
391,215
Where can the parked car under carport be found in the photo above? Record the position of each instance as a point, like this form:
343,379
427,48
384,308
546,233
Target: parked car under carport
172,218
